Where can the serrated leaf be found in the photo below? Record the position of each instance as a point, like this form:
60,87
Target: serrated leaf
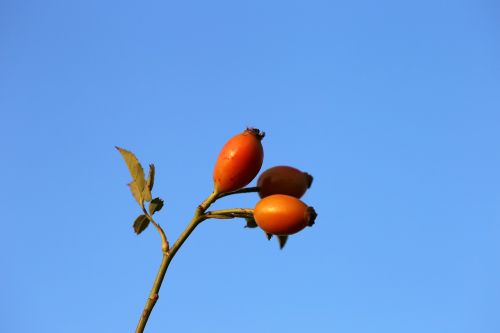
155,206
136,192
134,167
282,241
141,223
251,223
269,236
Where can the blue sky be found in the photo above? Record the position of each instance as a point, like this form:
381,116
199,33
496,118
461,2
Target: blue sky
393,106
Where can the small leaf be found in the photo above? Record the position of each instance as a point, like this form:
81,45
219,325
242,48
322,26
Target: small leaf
282,241
140,223
155,205
151,177
269,236
251,223
136,192
134,167
146,193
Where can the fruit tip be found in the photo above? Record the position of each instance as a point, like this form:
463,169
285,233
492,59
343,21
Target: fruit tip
255,131
309,179
312,216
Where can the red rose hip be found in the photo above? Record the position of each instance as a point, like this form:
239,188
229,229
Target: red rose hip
239,161
284,180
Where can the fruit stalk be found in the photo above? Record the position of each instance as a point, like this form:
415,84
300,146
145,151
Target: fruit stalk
229,213
241,190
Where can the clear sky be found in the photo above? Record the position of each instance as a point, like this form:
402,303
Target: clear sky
393,106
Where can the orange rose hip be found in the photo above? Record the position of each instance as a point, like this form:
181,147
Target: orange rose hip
239,161
280,214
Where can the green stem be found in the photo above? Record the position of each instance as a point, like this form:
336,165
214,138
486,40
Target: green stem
164,242
197,218
168,255
153,295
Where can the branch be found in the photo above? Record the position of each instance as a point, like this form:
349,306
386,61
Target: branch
168,256
169,253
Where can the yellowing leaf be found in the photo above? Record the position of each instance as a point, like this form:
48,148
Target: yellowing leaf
146,194
136,192
134,167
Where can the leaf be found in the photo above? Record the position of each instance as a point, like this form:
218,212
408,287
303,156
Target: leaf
146,193
269,236
282,241
151,177
136,192
155,205
140,223
134,167
251,223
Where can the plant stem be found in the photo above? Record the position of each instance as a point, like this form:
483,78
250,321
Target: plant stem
241,190
229,213
153,295
197,218
164,242
168,255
